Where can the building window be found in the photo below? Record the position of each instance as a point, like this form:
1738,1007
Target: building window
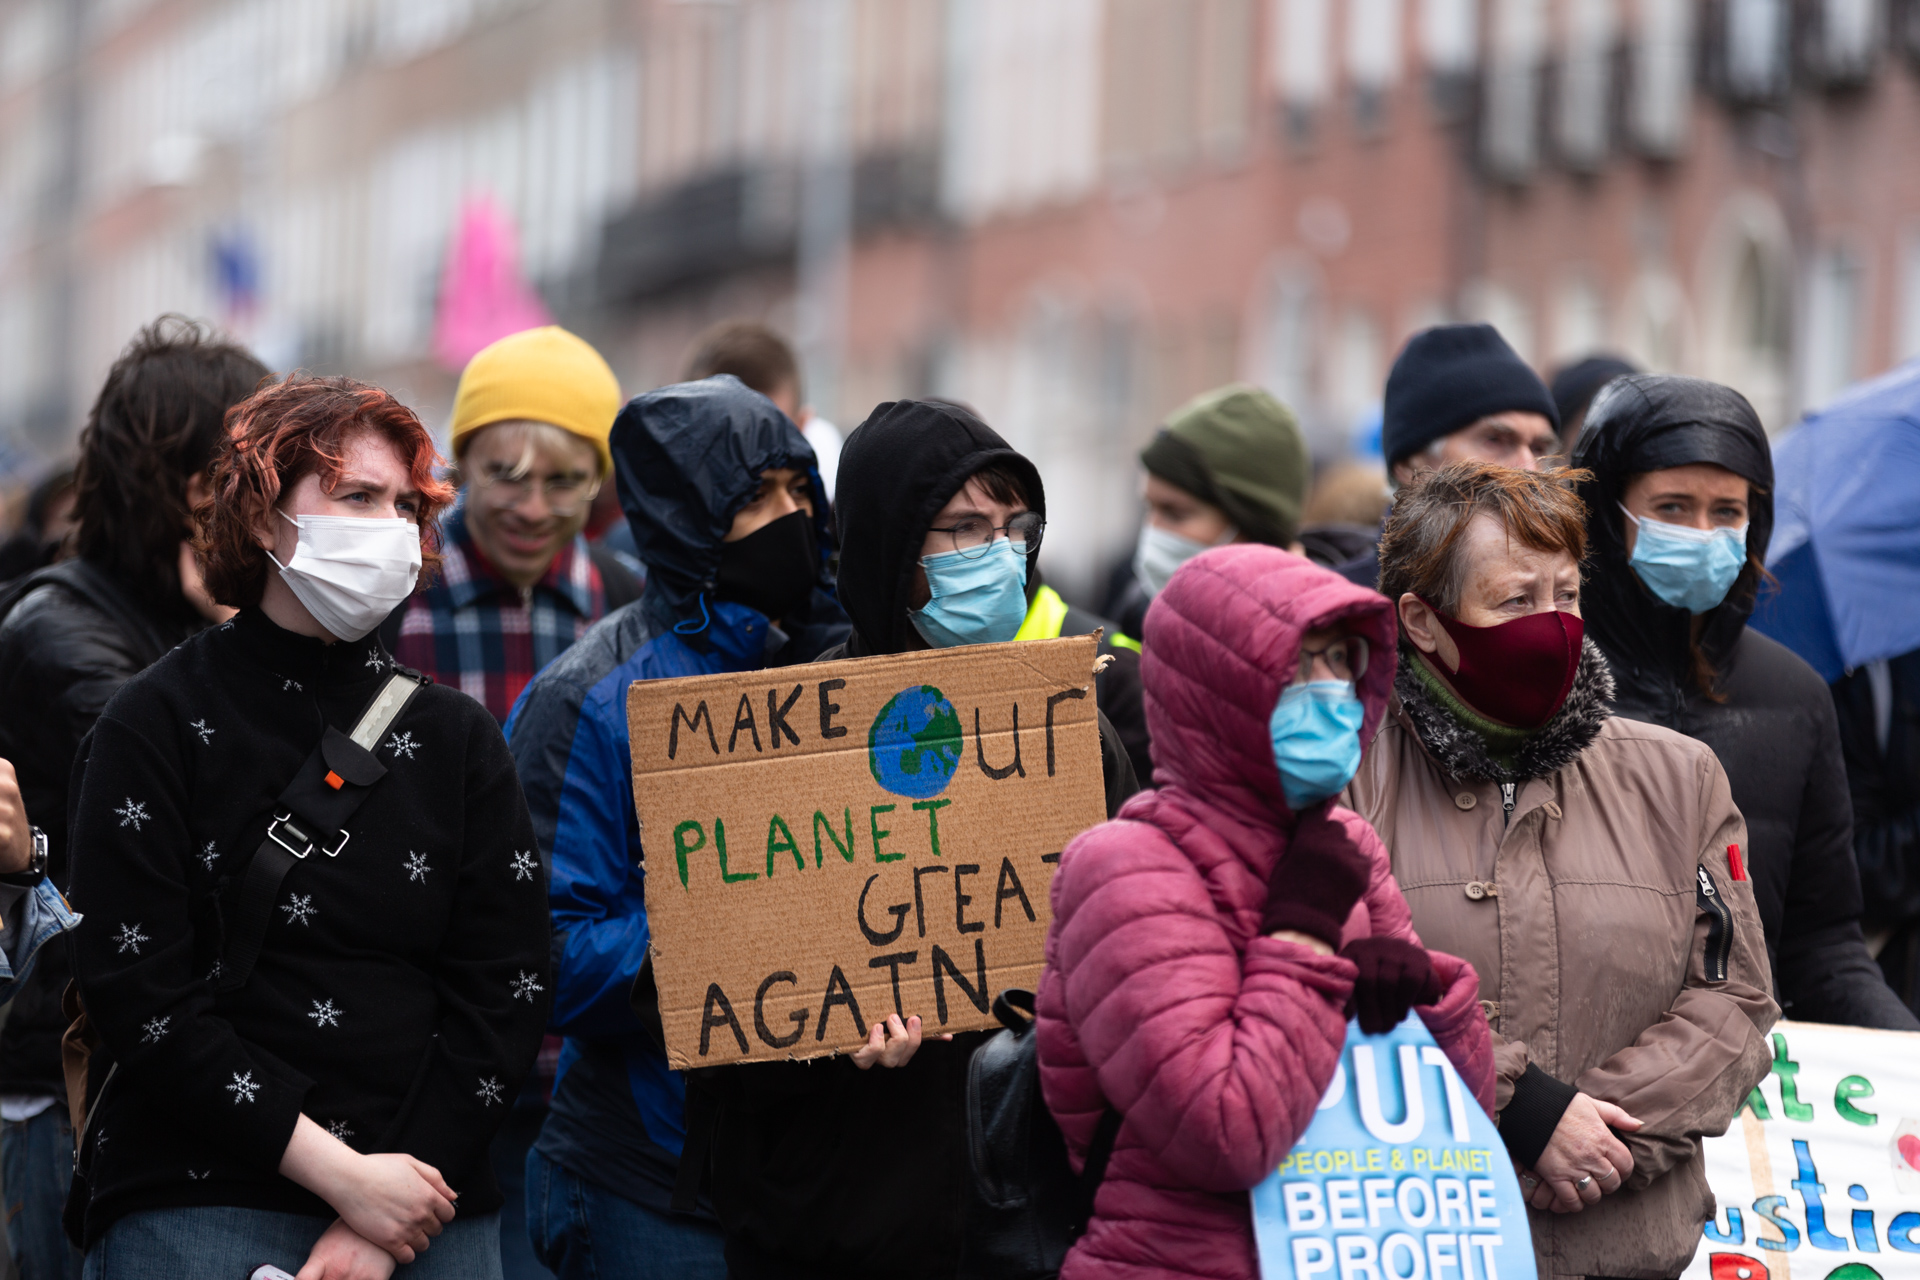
1510,128
1289,336
1579,320
1373,56
1358,370
1831,356
1907,29
1909,337
1180,78
1846,40
1450,44
1449,36
1023,111
1302,59
1581,118
1485,302
1755,48
1226,74
1662,76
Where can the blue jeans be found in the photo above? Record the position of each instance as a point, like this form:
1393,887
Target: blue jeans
508,1156
583,1232
36,1163
226,1243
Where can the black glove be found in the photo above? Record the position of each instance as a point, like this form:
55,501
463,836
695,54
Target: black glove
1394,976
1317,881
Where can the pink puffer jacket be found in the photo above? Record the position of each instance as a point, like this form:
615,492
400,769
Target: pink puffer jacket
1160,995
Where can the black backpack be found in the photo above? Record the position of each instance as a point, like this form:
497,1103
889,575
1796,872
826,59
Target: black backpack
1025,1205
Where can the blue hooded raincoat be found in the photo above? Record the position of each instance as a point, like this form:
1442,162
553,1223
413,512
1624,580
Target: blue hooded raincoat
686,459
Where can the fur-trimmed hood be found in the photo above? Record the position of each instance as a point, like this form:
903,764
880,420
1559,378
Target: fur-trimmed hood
1463,752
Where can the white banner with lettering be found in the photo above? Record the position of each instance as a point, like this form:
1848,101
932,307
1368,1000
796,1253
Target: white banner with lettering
1818,1178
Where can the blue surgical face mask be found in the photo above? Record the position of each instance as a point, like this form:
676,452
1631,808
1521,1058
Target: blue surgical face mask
979,601
1160,552
1316,740
1691,569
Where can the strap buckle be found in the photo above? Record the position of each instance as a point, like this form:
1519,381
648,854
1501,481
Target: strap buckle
284,821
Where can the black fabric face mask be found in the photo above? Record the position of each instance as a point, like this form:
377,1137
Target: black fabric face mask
773,568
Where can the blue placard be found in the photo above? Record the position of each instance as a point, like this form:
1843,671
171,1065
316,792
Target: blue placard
1392,1182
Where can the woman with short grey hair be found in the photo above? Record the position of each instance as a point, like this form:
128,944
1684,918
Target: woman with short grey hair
1589,868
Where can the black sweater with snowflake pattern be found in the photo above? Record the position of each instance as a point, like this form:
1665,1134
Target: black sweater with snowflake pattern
402,988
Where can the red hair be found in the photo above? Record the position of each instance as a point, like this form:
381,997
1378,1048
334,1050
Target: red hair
276,438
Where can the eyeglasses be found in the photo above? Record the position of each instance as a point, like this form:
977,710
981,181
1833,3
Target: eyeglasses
564,494
1345,657
973,535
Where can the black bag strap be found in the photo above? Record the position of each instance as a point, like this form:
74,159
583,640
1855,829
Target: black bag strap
312,813
1015,1008
1094,1171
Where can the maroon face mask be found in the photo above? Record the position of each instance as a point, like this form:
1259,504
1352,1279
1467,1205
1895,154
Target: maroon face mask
1516,672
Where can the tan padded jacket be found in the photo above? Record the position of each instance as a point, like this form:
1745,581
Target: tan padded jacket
1585,915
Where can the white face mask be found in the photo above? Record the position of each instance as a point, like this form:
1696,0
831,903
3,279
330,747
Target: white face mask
351,571
1160,552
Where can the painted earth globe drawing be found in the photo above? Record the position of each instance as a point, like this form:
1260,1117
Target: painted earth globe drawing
914,745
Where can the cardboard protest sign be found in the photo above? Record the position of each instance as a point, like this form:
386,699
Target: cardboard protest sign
830,844
1818,1178
1428,1194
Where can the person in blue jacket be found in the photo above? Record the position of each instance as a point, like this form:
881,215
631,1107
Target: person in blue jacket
729,515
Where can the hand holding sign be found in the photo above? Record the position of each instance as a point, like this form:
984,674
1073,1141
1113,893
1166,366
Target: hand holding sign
1429,1195
836,852
891,1043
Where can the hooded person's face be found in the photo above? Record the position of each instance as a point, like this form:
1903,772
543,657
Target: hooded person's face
782,492
972,517
768,559
1699,495
1179,512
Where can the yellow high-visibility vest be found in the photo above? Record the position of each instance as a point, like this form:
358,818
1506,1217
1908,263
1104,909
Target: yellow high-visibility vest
1048,614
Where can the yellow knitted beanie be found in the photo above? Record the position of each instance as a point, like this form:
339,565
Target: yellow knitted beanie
540,375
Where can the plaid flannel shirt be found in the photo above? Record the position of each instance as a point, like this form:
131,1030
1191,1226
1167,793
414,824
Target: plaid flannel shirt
474,630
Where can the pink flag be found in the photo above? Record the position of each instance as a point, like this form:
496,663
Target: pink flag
482,295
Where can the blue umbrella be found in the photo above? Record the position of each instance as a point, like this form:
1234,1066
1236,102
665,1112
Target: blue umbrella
1846,539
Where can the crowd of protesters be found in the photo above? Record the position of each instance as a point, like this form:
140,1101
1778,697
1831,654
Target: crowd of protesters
326,741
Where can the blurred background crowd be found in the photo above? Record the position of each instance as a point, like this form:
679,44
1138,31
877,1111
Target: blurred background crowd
1072,215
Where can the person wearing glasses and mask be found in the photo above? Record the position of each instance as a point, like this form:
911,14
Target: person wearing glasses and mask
1679,511
1258,914
823,1168
940,524
518,582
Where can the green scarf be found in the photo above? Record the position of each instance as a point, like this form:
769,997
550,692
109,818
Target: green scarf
1503,742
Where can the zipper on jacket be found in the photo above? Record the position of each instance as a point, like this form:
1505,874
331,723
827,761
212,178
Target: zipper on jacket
1506,803
1719,926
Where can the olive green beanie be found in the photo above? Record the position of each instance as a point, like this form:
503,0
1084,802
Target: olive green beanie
1240,449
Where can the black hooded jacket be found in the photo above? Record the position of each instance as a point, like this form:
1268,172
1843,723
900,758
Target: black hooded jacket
1770,718
819,1168
897,469
72,635
687,458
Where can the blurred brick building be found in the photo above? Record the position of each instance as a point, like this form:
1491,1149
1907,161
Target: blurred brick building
1072,213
